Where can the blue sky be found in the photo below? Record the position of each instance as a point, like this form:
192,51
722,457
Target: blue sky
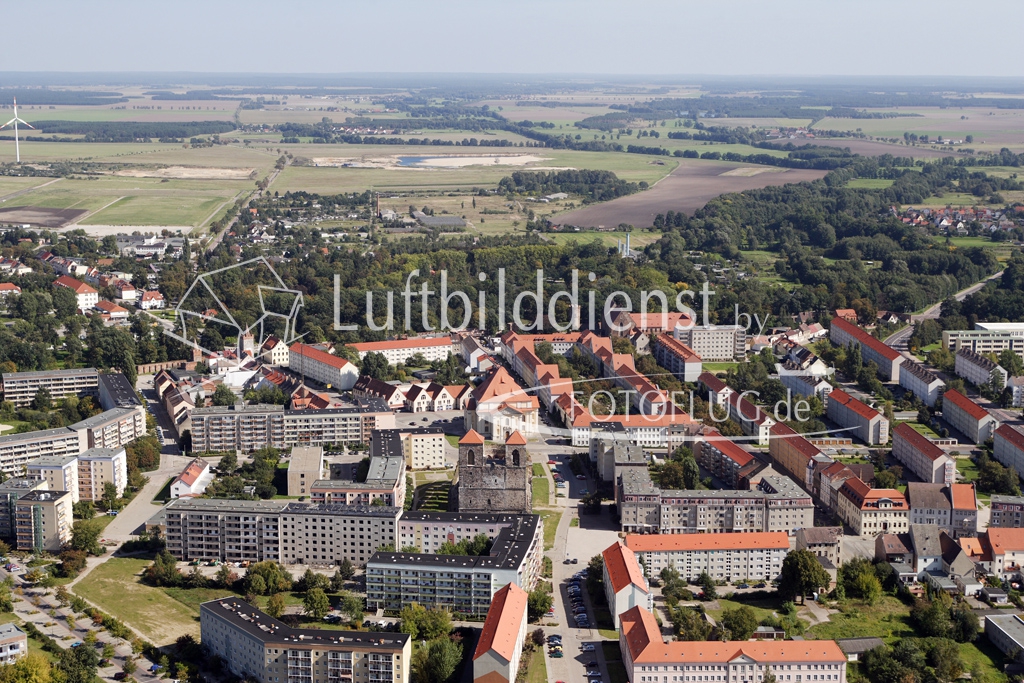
738,37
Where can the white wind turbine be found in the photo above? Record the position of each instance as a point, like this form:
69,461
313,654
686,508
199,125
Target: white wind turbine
16,121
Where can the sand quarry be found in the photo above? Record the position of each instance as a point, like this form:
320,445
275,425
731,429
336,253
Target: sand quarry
188,173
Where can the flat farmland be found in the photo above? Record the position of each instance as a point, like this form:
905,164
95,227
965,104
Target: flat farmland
78,151
137,201
10,184
872,148
333,179
203,110
689,187
993,126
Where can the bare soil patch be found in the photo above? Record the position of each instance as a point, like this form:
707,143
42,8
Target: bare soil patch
188,173
687,188
39,216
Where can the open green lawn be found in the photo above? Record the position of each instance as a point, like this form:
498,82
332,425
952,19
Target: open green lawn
888,619
537,672
541,491
719,367
550,519
16,427
453,440
165,493
637,240
115,588
922,429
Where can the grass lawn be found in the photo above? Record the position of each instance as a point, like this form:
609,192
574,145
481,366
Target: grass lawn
719,367
114,586
16,427
923,429
967,468
763,608
611,634
453,440
537,672
538,470
549,518
434,496
541,490
888,619
869,183
193,597
165,493
983,654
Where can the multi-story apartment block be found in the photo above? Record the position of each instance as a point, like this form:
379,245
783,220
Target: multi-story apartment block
114,428
803,384
1008,447
226,530
459,583
648,658
115,391
888,359
677,358
921,456
239,530
823,541
794,454
722,457
924,383
978,369
624,584
250,427
10,491
421,447
498,652
401,350
21,387
1007,511
987,338
779,504
714,342
327,369
326,534
872,511
17,450
96,467
857,418
385,482
967,417
256,646
428,531
953,507
59,471
305,466
43,520
752,419
755,556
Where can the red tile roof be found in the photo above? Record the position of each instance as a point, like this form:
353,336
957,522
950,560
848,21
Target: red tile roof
919,442
963,496
780,430
854,404
640,543
193,471
643,638
152,295
108,307
965,404
77,286
515,439
867,498
1012,435
317,355
865,339
504,619
9,287
1005,539
623,567
415,342
677,348
472,436
728,448
712,383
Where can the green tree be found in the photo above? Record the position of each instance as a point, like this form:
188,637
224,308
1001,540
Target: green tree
223,396
316,604
352,606
538,603
32,668
707,584
346,569
443,658
1011,362
859,580
223,576
109,494
740,622
78,664
42,400
801,575
375,365
85,535
275,605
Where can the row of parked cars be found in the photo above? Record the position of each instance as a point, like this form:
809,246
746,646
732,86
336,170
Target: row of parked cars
579,609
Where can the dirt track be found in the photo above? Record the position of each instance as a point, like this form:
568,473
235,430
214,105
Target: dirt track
687,188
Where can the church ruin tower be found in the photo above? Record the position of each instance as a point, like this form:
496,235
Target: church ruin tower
493,482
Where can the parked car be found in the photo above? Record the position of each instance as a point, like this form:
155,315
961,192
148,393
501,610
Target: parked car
594,673
588,647
581,477
557,654
761,585
743,585
575,560
591,663
552,462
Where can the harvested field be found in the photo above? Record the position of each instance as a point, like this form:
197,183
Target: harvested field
687,188
189,173
40,217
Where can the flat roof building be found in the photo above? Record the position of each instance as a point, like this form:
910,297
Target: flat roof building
305,466
43,520
21,387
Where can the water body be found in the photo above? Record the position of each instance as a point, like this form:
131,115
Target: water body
414,161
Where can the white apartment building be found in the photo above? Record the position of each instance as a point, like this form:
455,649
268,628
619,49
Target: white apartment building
86,295
96,467
59,471
21,387
327,369
987,338
714,342
114,428
400,350
624,584
728,556
921,456
888,359
976,368
1008,447
923,382
967,417
43,520
677,358
860,419
17,450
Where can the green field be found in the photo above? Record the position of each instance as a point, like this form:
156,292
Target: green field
541,491
550,519
115,588
637,240
869,183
